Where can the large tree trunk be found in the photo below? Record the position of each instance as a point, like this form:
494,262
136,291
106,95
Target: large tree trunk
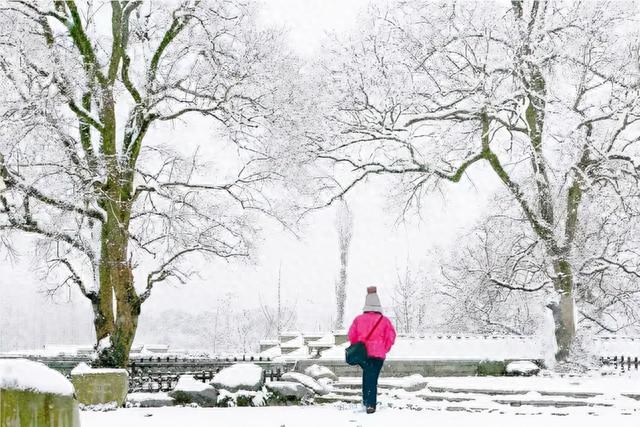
564,309
118,305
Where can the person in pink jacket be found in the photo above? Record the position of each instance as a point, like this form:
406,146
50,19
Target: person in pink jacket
378,335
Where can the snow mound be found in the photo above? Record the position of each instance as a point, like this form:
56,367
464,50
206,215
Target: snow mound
188,383
22,374
522,367
241,376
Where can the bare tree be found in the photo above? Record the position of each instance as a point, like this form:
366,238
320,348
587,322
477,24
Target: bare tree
84,113
247,329
344,227
546,97
280,318
409,302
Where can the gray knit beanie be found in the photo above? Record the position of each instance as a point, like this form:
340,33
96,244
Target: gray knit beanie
372,302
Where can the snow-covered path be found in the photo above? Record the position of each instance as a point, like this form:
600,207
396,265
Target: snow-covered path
349,416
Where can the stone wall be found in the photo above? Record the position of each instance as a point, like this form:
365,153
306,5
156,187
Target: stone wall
101,388
19,408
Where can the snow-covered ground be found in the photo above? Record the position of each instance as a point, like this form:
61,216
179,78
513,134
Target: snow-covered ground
351,415
585,401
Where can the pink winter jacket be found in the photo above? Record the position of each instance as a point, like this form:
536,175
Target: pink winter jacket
380,341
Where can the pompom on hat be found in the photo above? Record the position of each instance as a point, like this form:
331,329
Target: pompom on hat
372,302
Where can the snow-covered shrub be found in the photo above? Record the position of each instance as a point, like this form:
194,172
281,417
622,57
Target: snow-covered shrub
229,399
99,407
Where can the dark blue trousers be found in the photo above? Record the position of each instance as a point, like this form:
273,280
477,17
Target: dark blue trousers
370,371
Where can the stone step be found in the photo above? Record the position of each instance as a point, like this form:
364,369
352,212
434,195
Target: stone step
631,396
347,391
443,398
332,398
550,403
504,392
353,388
354,385
428,397
351,396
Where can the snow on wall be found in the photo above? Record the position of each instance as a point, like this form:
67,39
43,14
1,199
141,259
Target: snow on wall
21,374
84,369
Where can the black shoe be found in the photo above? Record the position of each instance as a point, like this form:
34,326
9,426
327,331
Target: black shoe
371,409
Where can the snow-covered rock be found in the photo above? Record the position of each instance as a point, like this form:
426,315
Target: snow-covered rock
241,376
149,400
189,390
189,383
522,368
316,372
26,375
289,389
306,381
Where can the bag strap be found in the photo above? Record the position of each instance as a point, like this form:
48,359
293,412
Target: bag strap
374,327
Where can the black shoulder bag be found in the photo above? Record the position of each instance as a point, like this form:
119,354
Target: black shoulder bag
356,353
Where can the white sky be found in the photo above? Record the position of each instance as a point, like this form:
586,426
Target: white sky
308,21
379,248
